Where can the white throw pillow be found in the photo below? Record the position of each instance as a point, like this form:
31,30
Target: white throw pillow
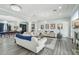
26,35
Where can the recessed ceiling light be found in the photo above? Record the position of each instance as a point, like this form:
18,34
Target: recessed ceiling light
59,7
15,7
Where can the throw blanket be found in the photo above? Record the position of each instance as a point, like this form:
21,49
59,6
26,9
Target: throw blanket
23,37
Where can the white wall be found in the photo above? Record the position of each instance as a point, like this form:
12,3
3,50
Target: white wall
74,17
29,26
64,31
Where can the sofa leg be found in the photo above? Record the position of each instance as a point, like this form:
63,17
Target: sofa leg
14,41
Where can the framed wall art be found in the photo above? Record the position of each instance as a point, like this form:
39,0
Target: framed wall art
76,24
46,26
59,26
33,26
52,26
42,26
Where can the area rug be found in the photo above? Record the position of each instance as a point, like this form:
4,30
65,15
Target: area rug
52,44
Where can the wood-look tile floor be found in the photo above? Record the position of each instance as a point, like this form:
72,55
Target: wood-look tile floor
9,47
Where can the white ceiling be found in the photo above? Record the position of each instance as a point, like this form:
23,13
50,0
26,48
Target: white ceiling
35,12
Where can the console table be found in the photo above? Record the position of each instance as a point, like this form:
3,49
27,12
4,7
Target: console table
8,33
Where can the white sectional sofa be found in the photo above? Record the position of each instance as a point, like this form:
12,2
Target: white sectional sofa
35,44
48,34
